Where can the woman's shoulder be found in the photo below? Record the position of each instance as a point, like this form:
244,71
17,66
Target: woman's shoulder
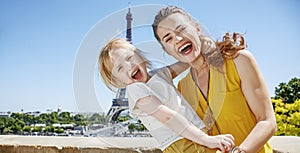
244,55
245,62
243,59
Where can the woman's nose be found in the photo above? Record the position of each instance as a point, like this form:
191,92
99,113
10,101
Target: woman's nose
178,38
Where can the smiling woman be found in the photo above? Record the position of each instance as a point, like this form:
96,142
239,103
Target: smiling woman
224,84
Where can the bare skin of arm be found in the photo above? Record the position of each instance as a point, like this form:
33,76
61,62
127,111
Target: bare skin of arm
152,106
259,101
177,68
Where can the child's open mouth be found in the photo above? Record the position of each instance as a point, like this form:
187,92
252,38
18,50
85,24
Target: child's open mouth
137,74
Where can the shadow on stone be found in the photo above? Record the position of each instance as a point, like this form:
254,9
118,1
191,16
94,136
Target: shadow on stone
52,149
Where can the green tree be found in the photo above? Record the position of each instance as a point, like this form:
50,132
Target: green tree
36,119
123,118
28,119
49,129
19,122
37,129
96,119
13,126
131,127
288,92
44,119
18,126
9,125
27,129
64,117
286,105
54,118
287,117
7,130
79,119
3,123
59,130
17,116
141,128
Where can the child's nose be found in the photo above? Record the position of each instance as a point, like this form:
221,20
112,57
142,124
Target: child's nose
128,64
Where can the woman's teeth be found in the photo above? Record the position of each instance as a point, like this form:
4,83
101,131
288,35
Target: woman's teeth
184,47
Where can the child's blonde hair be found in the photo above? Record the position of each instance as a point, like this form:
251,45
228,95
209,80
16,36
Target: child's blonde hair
104,63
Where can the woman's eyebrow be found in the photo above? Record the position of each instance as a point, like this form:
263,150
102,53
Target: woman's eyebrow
178,27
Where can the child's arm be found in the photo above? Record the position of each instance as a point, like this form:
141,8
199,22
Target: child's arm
177,68
178,123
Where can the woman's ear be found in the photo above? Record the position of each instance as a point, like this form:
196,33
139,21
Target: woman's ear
198,28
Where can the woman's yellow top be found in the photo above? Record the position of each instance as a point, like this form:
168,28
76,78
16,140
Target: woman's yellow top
226,99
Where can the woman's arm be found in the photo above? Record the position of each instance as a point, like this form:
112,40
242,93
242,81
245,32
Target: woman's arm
177,68
259,101
178,123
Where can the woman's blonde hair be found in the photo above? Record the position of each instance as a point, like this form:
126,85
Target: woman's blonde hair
104,62
227,48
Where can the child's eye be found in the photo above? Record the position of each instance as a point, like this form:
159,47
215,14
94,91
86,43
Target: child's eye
129,57
120,68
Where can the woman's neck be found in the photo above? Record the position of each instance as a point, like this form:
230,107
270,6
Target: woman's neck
200,74
199,64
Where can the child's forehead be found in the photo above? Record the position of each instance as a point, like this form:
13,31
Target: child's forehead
120,54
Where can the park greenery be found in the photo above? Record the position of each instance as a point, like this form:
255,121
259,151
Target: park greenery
286,104
46,123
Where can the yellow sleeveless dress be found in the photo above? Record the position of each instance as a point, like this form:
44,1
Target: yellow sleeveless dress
227,102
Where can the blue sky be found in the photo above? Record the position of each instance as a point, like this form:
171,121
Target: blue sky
40,42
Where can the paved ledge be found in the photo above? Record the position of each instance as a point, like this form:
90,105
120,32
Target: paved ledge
43,144
285,144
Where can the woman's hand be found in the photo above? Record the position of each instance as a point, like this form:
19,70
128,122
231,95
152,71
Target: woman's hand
222,142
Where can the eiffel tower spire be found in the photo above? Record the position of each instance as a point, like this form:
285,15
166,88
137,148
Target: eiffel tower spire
129,20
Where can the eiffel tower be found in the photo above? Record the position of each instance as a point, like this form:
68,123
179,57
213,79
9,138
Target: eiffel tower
120,103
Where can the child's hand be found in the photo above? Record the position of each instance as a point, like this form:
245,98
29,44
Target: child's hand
222,142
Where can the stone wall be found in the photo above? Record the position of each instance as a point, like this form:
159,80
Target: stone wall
41,144
51,144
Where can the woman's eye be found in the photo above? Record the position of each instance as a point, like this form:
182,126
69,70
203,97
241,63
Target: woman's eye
129,57
168,39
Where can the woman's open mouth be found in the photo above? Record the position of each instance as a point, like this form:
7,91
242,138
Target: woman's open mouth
185,48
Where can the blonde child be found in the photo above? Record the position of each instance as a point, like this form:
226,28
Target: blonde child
154,99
